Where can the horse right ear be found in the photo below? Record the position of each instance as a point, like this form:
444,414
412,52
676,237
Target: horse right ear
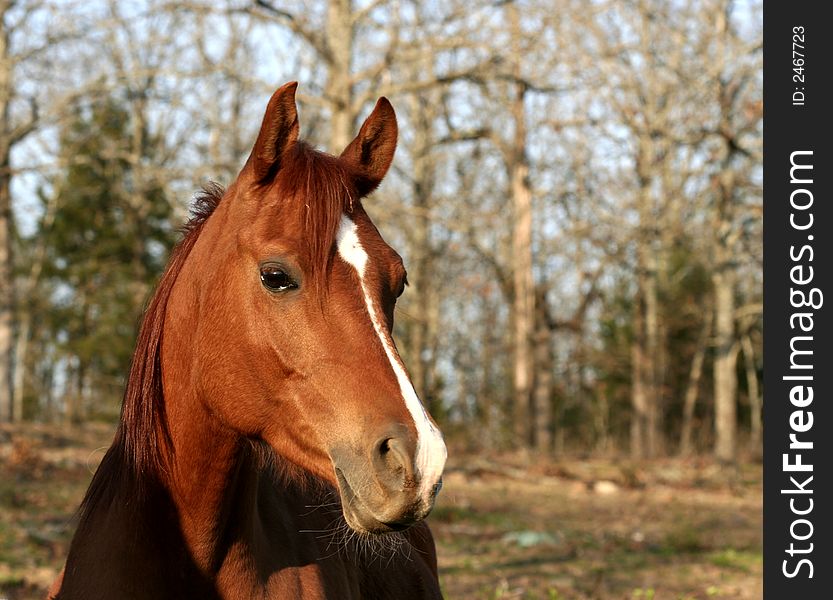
278,133
371,153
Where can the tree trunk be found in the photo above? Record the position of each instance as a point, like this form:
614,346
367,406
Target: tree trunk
523,302
338,90
7,291
725,377
639,401
543,380
693,387
601,420
650,298
645,351
418,309
658,349
755,404
422,293
724,273
21,348
492,434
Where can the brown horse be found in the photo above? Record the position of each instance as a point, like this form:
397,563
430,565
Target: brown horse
271,444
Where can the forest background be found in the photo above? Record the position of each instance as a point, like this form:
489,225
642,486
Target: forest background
577,194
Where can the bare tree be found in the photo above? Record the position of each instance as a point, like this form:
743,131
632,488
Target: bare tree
7,139
553,167
737,119
333,42
693,385
24,42
523,297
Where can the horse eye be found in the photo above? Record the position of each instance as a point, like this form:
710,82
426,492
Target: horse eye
276,279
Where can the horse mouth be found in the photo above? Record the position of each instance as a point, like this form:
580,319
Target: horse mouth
359,516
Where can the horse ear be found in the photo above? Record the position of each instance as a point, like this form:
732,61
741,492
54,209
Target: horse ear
278,132
372,150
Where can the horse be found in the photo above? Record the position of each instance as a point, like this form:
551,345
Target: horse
270,443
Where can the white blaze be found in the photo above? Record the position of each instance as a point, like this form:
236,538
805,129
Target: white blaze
431,451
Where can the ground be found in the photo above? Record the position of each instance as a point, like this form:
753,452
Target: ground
572,529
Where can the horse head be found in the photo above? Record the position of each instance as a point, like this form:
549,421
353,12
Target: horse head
290,290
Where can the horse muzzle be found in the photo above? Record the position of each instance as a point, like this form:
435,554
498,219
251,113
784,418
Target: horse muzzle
381,488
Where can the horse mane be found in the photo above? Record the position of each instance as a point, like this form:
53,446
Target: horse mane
136,455
143,425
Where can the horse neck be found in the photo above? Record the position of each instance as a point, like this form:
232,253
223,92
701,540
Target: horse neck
204,460
210,475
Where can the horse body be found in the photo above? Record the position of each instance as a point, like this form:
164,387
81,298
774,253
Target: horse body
267,544
271,445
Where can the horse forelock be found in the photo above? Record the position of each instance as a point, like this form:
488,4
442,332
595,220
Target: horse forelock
318,188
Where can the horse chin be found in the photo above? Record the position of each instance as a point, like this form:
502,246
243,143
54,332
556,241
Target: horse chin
358,516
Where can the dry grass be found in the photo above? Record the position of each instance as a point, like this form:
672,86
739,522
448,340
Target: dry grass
570,530
600,529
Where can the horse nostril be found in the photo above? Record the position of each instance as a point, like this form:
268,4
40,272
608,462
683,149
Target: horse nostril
437,487
384,448
394,462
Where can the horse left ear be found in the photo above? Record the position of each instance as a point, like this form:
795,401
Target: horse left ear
278,132
372,150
